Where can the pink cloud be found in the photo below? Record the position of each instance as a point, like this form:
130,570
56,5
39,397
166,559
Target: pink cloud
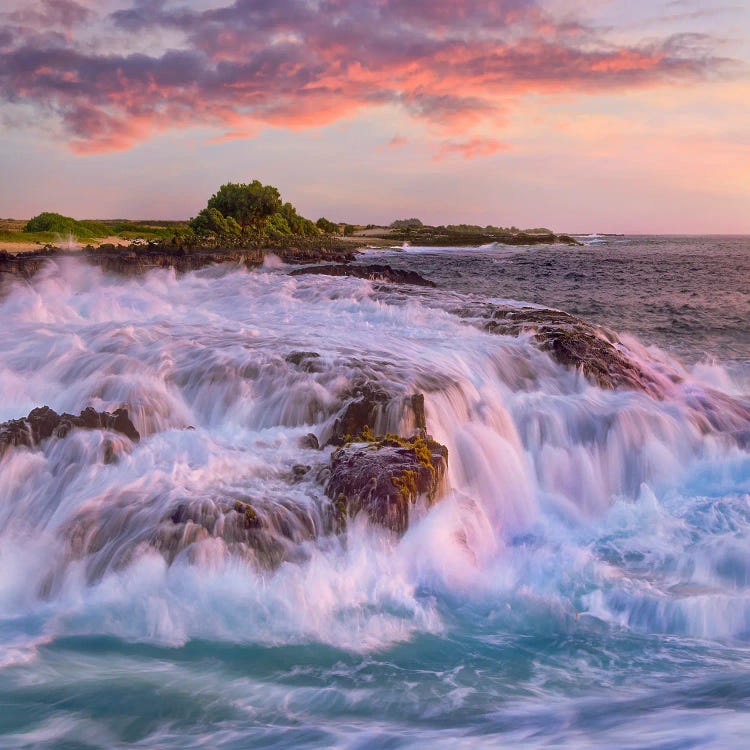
470,148
455,65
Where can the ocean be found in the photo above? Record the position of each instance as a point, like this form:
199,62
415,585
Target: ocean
584,582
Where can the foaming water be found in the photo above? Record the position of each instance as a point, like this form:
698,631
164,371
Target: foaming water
585,579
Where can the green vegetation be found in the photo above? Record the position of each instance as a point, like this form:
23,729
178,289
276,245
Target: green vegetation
253,212
406,224
327,226
421,445
250,205
65,225
50,228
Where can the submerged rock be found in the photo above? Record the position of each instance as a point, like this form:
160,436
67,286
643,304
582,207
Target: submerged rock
305,361
371,407
372,272
384,477
43,423
263,532
575,343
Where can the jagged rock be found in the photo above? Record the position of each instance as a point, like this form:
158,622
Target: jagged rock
417,407
43,423
373,272
385,477
139,258
305,361
365,409
297,358
266,532
309,441
371,406
573,342
25,265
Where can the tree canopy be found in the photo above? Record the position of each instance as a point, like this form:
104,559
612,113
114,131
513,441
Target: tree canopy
250,205
239,210
327,226
63,225
406,224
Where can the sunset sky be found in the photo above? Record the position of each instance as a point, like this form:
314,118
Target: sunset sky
623,116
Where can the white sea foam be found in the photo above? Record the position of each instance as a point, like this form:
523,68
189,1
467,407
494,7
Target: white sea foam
555,486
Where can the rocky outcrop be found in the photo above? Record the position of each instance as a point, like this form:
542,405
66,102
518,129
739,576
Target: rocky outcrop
263,532
372,272
384,477
574,343
25,265
43,423
305,361
139,258
368,407
454,237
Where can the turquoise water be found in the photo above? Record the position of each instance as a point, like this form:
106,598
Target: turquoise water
585,582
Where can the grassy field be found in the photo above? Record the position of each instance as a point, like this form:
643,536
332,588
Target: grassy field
11,232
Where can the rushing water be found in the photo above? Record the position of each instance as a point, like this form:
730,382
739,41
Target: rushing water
585,582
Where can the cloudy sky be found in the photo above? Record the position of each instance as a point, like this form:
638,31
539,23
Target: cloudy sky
616,115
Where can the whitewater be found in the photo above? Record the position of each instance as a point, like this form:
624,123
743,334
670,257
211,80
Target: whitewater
584,581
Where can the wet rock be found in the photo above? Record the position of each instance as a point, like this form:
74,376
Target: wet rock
297,358
364,409
369,406
266,533
574,343
417,407
140,257
309,441
299,471
305,361
43,423
25,265
372,272
384,478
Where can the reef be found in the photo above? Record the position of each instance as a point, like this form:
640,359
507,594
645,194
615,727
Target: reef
44,423
384,477
138,258
575,343
372,272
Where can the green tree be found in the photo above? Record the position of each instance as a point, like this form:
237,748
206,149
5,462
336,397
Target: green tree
210,221
277,227
298,224
52,222
406,224
250,205
327,226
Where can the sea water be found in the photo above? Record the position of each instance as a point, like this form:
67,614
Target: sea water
584,582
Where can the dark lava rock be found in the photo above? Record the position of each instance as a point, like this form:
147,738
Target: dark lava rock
136,259
372,272
43,423
25,265
309,441
363,410
385,477
305,361
265,533
370,406
297,358
139,258
575,343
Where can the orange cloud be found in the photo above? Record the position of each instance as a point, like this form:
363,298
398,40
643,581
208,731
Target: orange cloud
456,65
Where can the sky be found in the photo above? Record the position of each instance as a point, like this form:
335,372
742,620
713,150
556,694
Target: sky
612,116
